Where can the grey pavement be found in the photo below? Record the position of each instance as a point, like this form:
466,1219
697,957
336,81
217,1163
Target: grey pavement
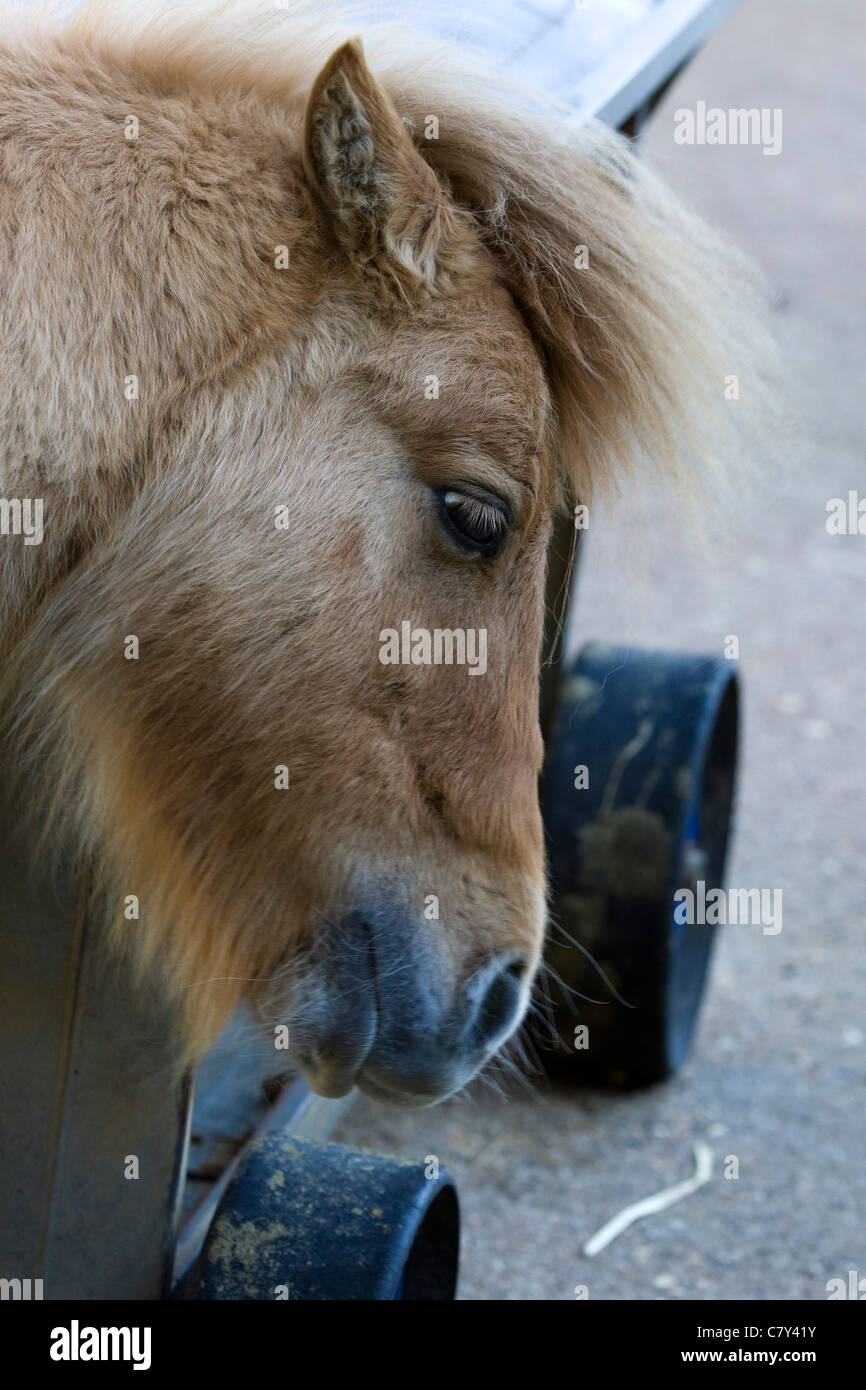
776,1077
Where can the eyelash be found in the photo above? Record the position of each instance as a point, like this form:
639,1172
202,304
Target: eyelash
481,512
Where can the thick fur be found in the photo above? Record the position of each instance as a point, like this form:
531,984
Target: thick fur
305,386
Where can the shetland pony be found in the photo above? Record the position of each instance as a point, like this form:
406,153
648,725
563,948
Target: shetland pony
289,366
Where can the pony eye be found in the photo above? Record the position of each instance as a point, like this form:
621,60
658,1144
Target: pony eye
477,521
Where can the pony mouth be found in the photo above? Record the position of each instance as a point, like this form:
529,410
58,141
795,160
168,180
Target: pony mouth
333,1067
334,1079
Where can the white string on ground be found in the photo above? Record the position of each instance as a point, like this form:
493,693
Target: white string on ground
659,1201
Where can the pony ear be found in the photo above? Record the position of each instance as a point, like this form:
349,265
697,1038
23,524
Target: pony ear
387,207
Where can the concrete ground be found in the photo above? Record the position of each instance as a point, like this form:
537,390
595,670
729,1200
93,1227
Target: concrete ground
777,1074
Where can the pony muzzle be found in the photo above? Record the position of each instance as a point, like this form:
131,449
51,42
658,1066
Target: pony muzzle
396,1019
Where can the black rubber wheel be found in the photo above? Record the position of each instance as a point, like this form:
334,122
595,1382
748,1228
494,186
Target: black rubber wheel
305,1220
657,735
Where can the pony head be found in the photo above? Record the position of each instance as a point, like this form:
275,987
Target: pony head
300,390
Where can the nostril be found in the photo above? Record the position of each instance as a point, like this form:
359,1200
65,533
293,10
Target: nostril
498,1005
